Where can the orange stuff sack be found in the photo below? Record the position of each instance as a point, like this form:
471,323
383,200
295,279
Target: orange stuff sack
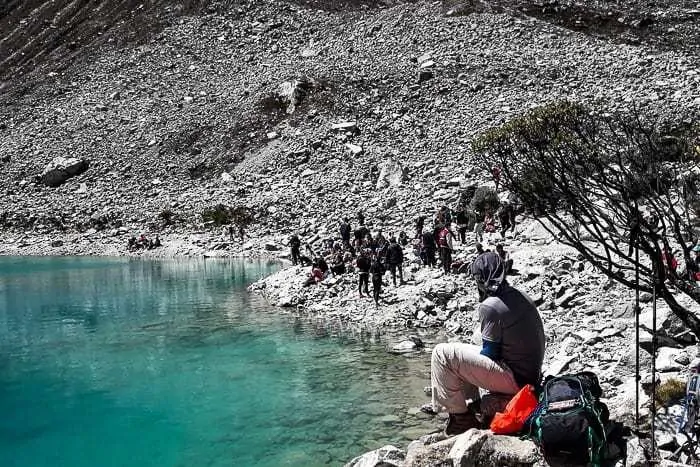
513,418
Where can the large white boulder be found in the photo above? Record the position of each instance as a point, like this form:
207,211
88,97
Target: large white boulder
61,169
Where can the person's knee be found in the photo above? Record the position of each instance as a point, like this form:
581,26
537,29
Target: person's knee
438,355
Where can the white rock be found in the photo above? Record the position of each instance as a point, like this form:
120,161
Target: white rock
354,149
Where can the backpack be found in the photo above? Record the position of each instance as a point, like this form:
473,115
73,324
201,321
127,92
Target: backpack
442,237
569,422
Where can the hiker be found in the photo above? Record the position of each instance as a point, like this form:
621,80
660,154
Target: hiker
420,223
428,248
131,245
489,222
445,239
231,230
345,232
377,270
417,251
510,357
694,264
506,216
142,242
338,263
294,245
315,276
496,174
157,243
505,257
403,238
394,260
462,222
360,218
323,266
442,217
362,264
361,233
478,225
670,262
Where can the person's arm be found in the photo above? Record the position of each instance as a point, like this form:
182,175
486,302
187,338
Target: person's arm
491,349
491,333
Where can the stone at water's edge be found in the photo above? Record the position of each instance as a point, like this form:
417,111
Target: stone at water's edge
386,456
472,448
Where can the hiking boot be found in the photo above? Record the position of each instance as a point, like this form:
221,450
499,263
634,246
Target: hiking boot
458,423
428,409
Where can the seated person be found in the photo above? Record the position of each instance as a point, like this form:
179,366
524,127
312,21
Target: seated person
511,355
338,264
315,276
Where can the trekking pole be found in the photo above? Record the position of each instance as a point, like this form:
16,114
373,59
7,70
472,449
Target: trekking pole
653,365
636,340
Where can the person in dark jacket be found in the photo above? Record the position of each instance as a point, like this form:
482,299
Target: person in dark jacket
345,232
420,223
445,243
377,270
363,263
360,218
462,223
394,260
428,246
294,245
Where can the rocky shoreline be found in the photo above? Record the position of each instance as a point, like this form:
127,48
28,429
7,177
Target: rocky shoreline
307,111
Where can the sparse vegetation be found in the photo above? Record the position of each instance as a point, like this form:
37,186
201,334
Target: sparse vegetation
221,214
607,185
484,198
167,217
669,392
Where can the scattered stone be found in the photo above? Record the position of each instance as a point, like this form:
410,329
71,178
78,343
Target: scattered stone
344,127
354,149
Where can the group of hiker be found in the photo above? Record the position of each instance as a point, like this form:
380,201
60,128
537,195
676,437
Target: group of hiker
372,255
142,243
358,250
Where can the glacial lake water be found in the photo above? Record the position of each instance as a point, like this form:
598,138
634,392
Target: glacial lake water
127,362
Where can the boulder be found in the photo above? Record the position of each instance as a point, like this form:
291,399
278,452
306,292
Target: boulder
291,93
500,450
386,456
61,169
465,451
411,344
391,173
422,454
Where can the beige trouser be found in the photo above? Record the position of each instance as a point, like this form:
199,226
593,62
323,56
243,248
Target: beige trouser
457,371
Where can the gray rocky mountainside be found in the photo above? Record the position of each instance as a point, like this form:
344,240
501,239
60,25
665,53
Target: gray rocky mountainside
172,107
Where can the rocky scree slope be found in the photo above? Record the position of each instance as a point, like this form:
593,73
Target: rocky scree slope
191,116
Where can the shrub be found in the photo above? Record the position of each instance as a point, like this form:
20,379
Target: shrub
484,198
219,214
669,392
167,216
222,215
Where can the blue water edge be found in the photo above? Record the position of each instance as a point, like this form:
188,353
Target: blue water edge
123,362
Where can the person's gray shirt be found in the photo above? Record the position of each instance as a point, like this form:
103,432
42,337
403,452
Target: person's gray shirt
511,319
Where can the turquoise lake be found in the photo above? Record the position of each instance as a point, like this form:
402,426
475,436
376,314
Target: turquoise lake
127,362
